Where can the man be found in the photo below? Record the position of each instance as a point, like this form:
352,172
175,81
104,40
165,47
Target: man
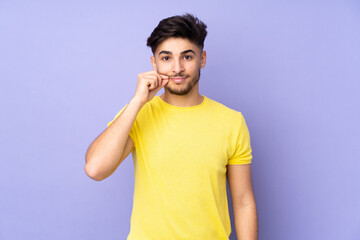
183,144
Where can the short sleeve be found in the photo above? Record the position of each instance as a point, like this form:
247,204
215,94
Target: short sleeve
242,150
116,116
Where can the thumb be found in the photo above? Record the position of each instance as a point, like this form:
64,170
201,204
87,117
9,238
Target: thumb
164,82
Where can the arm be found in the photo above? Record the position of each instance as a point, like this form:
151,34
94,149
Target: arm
114,144
246,223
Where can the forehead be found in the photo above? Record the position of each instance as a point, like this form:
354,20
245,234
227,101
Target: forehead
176,45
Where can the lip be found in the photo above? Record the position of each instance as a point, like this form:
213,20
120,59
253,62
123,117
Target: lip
178,79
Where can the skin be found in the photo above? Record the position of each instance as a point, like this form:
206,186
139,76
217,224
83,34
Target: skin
244,205
179,58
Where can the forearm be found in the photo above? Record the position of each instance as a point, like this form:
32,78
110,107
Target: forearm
106,150
246,222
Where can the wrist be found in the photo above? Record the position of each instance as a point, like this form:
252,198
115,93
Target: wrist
137,102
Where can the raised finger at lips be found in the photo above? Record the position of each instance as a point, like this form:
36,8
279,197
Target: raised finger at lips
159,79
164,76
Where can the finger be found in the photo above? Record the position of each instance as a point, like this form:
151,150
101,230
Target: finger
153,74
163,75
151,83
161,78
153,79
164,82
158,78
149,72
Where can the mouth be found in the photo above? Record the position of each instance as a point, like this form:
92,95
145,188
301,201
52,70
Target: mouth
178,79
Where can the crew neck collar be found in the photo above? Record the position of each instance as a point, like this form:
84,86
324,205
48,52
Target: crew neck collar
168,105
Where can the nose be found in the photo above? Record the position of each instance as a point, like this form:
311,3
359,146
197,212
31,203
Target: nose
177,66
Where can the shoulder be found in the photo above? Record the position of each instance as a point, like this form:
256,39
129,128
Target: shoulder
150,108
220,108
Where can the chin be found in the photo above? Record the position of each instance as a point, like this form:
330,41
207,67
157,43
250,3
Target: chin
178,90
182,89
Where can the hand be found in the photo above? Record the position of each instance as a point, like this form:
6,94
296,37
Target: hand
148,84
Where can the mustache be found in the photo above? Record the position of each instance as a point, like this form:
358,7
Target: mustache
178,75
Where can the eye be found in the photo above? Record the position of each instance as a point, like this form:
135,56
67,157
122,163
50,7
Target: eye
188,57
165,58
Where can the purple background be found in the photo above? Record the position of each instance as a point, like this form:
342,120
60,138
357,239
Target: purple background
291,67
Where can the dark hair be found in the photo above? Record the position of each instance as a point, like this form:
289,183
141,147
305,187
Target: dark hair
183,26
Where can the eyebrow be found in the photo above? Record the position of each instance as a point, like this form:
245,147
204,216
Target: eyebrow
184,52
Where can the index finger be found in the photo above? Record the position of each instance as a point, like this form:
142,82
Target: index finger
163,75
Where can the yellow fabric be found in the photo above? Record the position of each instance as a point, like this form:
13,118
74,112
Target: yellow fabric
180,162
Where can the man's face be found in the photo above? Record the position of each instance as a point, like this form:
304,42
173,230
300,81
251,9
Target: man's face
181,60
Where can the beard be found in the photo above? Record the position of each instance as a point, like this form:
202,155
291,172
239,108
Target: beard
183,90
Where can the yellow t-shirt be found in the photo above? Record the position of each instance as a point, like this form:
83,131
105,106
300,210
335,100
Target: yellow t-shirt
180,161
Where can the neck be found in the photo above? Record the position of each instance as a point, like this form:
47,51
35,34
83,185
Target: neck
193,98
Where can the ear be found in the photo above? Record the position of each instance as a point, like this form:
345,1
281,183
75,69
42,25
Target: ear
153,63
203,59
